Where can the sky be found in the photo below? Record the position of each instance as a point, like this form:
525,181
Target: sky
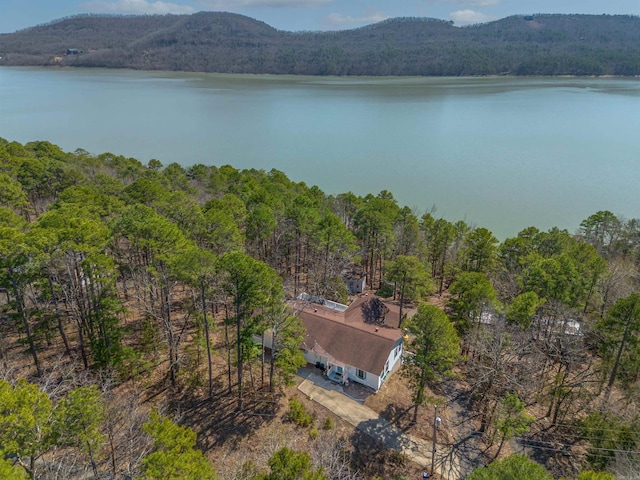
299,15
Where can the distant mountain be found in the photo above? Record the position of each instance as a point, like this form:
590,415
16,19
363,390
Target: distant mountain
230,43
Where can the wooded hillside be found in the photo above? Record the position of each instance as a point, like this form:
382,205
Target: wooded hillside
230,43
128,289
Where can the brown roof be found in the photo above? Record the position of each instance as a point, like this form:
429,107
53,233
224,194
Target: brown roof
370,309
356,337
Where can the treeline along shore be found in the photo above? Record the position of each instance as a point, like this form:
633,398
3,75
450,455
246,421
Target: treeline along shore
230,43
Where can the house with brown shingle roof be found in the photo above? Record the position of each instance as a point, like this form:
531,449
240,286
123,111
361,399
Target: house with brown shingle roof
360,342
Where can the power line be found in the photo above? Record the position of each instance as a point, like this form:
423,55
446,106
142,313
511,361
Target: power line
568,452
577,426
600,449
579,436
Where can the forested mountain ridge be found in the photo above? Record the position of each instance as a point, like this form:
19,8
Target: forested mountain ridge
231,43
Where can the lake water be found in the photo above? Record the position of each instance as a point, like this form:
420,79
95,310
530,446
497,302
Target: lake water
502,153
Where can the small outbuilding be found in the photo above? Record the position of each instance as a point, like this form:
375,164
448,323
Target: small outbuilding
356,283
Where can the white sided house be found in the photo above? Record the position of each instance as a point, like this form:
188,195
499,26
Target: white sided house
360,342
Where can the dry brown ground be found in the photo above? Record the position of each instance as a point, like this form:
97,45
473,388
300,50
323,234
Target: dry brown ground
456,432
230,438
393,403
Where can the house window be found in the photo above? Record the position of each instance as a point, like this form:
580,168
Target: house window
386,367
361,374
396,352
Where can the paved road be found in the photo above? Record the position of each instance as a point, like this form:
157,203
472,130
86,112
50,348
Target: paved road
366,420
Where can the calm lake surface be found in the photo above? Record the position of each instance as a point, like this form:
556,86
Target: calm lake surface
502,153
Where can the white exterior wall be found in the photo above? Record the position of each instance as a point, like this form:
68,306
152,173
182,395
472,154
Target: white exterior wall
313,357
371,380
393,360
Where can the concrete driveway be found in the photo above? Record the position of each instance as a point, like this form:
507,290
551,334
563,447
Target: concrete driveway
331,396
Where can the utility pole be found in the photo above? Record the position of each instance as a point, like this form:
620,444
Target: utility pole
436,423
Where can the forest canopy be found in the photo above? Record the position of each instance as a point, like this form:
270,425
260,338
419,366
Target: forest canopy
122,283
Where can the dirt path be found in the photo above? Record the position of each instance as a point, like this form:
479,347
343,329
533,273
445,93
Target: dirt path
366,420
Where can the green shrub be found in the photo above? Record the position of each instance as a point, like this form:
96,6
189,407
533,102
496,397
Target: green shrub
398,458
328,424
298,414
385,291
